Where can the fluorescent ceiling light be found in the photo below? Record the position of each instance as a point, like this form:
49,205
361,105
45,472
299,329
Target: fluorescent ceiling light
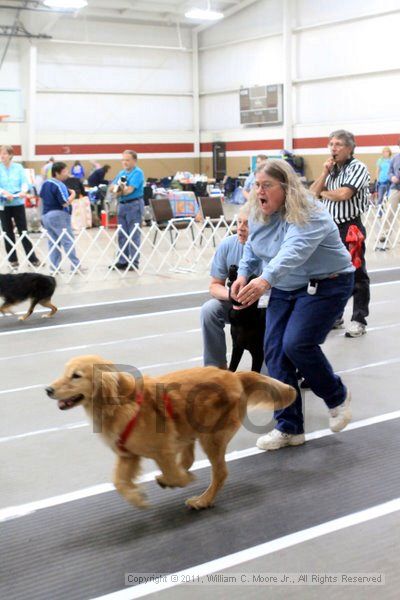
204,14
65,3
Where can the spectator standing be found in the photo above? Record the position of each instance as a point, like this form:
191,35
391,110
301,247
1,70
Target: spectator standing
46,169
310,275
249,183
56,218
382,174
215,312
130,183
13,188
78,171
394,176
343,187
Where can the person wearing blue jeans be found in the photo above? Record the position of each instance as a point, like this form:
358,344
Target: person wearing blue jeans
309,272
382,174
128,186
214,313
130,215
56,200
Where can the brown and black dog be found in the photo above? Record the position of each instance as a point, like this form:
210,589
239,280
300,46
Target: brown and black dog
161,417
35,287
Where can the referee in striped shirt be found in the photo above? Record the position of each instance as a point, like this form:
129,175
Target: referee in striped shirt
343,187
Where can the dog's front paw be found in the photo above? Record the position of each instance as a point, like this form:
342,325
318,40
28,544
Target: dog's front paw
162,482
21,318
47,316
138,498
198,503
181,480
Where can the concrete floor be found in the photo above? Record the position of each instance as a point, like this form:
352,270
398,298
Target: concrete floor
46,452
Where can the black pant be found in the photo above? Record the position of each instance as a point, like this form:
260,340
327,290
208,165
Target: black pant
18,214
361,294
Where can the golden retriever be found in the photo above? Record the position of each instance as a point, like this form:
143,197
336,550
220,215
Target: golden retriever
161,417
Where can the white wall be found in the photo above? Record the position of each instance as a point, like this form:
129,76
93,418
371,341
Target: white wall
344,74
130,88
10,78
106,94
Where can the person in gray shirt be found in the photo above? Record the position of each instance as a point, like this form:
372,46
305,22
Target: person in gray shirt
215,312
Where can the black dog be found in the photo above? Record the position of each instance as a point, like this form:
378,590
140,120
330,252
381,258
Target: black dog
247,330
27,286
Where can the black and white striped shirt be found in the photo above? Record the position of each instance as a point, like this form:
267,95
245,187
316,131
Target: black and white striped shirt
354,175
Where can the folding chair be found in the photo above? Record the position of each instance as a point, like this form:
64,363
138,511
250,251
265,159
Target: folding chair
212,209
163,215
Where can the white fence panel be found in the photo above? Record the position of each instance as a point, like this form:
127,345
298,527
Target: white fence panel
183,246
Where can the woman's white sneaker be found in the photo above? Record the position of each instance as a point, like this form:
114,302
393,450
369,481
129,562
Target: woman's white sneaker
276,439
355,329
340,416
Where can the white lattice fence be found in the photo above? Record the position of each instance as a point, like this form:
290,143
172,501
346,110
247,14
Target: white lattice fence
383,226
173,249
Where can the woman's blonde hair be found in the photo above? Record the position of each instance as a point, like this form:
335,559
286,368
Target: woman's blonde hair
8,149
297,207
387,149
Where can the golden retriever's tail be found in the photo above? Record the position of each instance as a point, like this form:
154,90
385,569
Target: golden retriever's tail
266,392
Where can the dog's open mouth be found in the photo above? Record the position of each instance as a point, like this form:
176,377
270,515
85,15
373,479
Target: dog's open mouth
69,402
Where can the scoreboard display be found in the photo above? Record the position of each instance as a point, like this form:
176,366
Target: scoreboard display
261,105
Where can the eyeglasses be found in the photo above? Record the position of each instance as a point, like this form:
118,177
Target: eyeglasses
265,186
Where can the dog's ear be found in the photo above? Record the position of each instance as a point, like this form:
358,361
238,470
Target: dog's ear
127,385
113,387
105,387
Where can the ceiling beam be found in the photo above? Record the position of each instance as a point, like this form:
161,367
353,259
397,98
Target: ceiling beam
18,31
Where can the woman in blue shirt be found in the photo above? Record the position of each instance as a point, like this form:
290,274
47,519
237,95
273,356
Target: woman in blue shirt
309,274
13,189
382,173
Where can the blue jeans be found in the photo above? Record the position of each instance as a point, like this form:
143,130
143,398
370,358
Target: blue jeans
128,216
213,317
297,324
383,188
54,222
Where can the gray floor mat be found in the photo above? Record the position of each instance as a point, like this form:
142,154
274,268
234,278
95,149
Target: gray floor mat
105,311
83,549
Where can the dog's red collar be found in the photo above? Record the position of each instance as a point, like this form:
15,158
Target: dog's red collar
131,424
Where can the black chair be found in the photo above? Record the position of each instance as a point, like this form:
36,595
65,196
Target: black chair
163,215
200,189
212,210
